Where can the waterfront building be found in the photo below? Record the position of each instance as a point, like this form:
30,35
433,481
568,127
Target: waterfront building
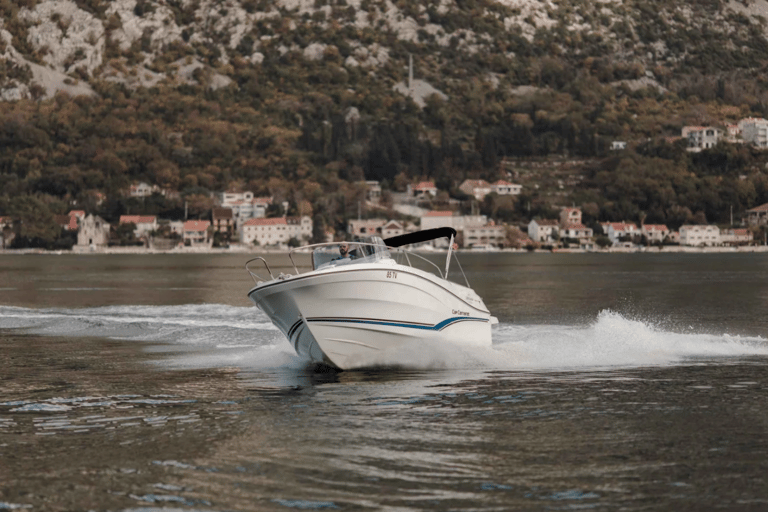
145,224
654,232
739,236
543,230
699,235
196,232
758,216
276,230
93,233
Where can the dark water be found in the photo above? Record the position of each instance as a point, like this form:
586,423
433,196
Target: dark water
616,382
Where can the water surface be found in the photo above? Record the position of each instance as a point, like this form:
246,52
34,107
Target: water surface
615,382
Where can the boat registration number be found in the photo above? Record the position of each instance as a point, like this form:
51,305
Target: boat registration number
391,275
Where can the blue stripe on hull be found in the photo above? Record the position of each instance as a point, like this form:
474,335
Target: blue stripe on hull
412,325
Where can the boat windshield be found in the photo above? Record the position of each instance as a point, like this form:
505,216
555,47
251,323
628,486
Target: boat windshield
344,253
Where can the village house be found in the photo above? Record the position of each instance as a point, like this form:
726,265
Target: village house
223,222
476,188
577,231
618,145
570,216
484,235
422,190
701,137
196,232
758,216
754,131
244,206
619,232
699,235
143,189
392,228
736,237
544,231
93,233
654,233
67,222
145,224
365,227
275,230
505,188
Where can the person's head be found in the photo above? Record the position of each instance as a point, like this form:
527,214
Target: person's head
343,248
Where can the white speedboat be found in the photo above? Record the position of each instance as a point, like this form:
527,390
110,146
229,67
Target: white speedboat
371,306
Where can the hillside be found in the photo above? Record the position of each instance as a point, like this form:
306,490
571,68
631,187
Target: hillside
302,99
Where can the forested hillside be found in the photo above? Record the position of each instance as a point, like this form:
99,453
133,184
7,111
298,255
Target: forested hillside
296,99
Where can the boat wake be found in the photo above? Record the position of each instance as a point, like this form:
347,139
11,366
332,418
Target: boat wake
221,335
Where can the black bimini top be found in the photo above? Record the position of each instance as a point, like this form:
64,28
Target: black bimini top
420,236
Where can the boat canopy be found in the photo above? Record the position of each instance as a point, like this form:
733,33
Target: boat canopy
420,236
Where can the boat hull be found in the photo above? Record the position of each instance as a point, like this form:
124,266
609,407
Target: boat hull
372,315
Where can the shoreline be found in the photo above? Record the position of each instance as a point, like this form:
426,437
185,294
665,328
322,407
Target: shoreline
248,250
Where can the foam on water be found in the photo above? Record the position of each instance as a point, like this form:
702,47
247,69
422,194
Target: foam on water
244,337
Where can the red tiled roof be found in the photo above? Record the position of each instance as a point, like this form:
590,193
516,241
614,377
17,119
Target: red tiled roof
758,209
137,219
741,232
261,200
67,221
620,226
196,225
77,213
273,221
424,185
502,183
575,225
443,213
655,227
547,222
476,183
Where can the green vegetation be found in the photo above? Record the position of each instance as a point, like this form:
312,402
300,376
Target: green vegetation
283,127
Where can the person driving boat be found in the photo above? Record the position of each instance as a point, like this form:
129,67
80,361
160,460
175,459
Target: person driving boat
344,252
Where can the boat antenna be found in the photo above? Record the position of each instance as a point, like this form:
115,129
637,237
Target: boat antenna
448,258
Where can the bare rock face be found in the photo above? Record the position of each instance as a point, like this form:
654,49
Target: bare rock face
71,37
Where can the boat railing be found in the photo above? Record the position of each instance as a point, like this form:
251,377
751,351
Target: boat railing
400,253
257,278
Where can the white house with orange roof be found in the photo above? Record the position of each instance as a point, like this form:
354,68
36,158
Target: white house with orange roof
196,232
570,216
739,236
576,230
758,216
275,230
699,235
654,232
144,224
505,188
618,230
543,230
476,188
424,189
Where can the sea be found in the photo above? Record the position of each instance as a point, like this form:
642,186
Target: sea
149,382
